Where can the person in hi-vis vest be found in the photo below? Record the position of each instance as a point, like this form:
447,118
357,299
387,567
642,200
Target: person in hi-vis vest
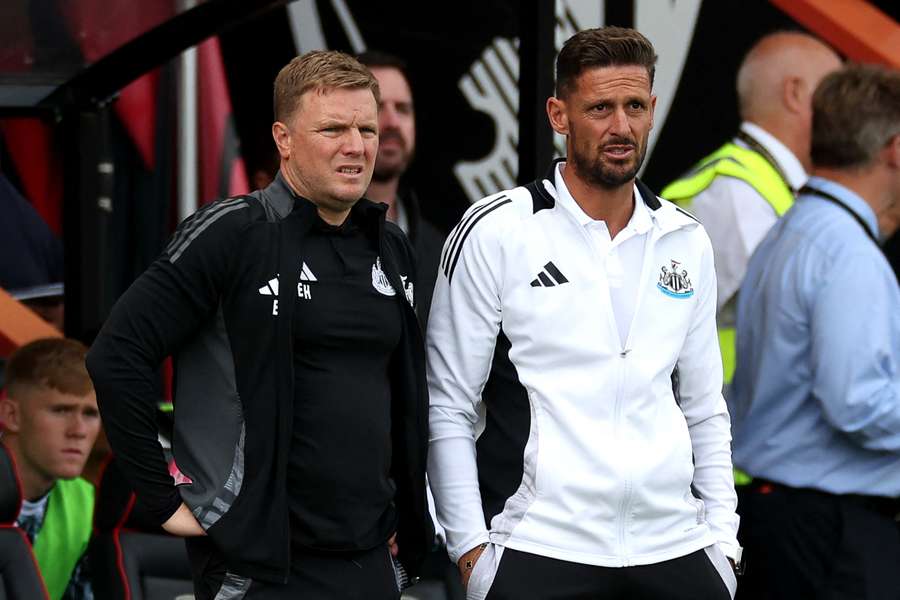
50,422
740,190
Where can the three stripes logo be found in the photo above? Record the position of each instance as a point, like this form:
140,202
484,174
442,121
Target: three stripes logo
453,247
303,290
271,289
199,222
306,274
549,277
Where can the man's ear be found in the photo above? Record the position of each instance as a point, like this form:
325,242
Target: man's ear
794,94
282,136
556,113
9,414
892,152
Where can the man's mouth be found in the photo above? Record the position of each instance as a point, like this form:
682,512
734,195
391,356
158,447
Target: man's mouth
618,150
390,135
350,170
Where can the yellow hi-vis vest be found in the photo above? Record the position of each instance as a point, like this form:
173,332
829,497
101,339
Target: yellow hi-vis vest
65,533
747,165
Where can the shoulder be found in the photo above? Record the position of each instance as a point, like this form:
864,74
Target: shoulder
684,226
396,236
75,490
217,222
495,213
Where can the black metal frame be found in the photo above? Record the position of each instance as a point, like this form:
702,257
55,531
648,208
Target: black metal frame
537,28
81,106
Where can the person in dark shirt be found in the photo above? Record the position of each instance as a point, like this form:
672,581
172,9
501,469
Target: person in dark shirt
300,403
396,149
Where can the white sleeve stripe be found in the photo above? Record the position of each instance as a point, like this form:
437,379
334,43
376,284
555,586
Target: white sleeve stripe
453,239
458,252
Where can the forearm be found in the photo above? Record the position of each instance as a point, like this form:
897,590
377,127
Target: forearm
714,478
127,395
453,474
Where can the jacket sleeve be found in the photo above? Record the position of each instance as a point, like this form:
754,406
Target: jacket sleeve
462,331
177,294
700,393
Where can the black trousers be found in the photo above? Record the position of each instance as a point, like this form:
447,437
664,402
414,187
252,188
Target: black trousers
365,575
808,544
523,576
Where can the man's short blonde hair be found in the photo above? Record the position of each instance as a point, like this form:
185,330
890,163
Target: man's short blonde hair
319,69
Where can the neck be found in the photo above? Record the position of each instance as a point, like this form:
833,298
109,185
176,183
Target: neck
385,191
329,216
872,185
614,206
786,131
34,485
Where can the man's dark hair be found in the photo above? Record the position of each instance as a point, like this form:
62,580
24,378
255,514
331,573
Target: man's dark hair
602,47
374,59
856,111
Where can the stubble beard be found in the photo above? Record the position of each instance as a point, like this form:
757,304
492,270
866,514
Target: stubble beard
395,168
596,172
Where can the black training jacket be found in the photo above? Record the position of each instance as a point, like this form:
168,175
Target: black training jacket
210,302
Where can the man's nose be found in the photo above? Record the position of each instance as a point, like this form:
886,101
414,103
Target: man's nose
619,124
77,426
387,117
353,143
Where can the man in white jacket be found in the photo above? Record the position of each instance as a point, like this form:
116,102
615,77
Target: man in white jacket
572,343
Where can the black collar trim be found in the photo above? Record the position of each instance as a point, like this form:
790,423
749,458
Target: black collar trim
648,195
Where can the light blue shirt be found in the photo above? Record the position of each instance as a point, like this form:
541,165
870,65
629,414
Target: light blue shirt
815,401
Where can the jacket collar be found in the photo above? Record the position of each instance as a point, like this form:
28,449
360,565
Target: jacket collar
666,216
365,212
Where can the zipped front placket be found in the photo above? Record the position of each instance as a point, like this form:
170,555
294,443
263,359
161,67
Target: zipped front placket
627,484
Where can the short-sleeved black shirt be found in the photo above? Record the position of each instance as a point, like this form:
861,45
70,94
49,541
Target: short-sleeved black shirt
347,324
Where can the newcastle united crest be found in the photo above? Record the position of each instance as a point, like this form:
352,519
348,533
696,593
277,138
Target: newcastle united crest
675,283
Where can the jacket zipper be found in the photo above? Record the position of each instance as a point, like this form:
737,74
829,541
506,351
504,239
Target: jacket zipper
628,487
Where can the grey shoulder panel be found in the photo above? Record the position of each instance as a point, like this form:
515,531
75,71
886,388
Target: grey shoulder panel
200,221
209,429
234,587
276,206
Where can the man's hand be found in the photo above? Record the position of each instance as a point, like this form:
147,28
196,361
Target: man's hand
467,562
183,523
393,546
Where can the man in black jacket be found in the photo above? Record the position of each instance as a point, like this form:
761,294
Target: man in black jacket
300,424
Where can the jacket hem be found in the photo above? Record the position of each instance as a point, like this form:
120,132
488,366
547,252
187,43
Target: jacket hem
605,560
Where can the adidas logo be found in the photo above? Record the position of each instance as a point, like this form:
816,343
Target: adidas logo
306,274
549,277
303,290
271,288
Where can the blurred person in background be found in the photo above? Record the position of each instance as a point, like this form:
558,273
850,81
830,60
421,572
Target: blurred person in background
816,398
50,421
740,190
396,149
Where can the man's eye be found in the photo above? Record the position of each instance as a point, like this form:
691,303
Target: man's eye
637,105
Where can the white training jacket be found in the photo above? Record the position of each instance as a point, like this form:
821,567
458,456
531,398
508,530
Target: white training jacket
587,450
